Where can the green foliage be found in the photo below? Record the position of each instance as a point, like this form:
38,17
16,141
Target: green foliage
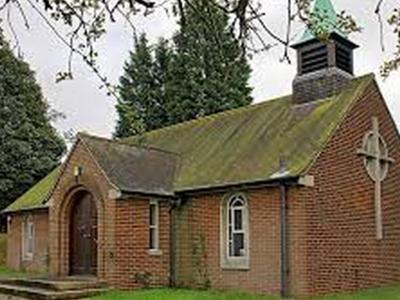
393,64
135,90
392,293
204,73
30,147
199,254
143,278
210,71
8,273
176,294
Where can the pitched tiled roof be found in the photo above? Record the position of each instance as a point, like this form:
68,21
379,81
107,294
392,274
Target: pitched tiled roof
246,144
134,169
37,196
237,146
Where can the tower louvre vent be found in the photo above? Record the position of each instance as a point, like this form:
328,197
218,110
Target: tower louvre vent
314,59
324,67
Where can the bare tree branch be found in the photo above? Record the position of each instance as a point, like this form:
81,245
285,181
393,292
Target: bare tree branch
4,5
147,4
378,13
269,31
75,50
288,32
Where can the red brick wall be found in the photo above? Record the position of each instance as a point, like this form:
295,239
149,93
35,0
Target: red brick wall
93,181
135,266
197,253
334,225
332,242
39,262
122,228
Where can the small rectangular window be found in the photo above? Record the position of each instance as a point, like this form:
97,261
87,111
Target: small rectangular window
28,238
153,225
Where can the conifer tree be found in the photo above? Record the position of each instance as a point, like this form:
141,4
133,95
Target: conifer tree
143,103
211,73
29,146
159,116
135,90
204,72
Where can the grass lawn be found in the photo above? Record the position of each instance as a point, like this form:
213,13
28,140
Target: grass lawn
392,293
169,294
8,273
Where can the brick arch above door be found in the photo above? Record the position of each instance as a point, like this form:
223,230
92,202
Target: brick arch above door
93,180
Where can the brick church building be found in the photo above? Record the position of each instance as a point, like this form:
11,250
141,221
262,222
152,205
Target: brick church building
296,196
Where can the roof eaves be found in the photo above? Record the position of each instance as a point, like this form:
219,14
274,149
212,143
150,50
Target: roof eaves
43,201
125,191
287,178
22,210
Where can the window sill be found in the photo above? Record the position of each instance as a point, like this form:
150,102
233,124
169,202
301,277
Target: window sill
27,258
155,252
236,268
236,264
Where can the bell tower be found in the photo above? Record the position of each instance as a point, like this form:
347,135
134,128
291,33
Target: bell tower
323,67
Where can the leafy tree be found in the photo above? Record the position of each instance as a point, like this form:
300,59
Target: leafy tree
210,70
29,146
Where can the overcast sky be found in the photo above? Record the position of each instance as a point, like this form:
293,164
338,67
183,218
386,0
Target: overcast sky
87,108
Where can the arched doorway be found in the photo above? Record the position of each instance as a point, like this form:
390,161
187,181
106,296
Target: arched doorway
83,235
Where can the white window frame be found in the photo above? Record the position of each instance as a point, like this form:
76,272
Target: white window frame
228,261
28,236
154,227
231,222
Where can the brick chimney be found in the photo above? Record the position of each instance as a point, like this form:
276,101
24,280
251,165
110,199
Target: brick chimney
323,67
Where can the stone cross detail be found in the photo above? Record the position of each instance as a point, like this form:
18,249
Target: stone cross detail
376,161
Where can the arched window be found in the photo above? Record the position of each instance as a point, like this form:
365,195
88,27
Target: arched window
236,235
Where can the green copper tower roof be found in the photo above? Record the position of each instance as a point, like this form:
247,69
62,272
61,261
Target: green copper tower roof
325,20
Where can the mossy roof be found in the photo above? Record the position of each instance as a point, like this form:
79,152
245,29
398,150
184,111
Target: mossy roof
134,169
37,196
246,144
238,146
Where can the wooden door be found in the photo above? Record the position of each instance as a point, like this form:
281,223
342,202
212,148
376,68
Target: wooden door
83,236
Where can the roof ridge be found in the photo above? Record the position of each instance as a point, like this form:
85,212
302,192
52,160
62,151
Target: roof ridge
121,142
225,112
212,116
